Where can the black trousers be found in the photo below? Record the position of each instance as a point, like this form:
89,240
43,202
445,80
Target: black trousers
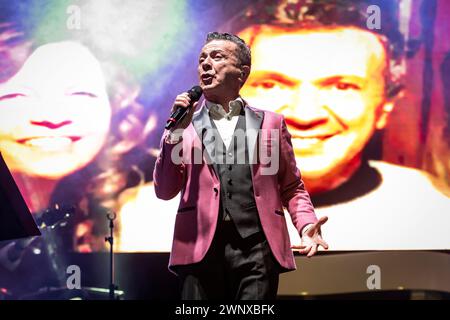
233,269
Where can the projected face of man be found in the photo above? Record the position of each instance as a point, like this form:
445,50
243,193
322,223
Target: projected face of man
54,113
329,84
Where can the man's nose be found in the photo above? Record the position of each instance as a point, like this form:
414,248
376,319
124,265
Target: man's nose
206,65
306,108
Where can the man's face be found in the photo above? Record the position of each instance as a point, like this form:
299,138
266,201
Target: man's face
54,113
218,69
329,85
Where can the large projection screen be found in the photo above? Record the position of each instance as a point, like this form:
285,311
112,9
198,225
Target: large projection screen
86,88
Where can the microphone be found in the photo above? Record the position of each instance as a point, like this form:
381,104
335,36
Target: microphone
194,94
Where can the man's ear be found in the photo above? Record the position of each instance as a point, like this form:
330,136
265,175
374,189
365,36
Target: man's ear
383,114
245,71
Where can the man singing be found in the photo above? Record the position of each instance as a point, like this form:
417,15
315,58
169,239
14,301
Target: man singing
231,239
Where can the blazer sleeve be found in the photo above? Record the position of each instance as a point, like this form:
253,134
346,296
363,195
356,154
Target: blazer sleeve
168,176
292,189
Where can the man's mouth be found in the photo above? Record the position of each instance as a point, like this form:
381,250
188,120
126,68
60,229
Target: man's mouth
207,78
311,139
49,143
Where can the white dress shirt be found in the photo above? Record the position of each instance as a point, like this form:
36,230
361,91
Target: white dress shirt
225,121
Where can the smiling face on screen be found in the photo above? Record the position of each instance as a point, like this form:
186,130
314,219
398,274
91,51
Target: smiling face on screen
54,112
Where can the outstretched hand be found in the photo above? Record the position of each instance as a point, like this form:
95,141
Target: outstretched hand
312,239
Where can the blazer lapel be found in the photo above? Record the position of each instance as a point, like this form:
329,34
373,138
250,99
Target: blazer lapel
202,125
253,120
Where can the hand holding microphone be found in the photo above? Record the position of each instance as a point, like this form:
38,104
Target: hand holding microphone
183,109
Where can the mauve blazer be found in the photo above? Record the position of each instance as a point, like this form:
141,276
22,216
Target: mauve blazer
199,184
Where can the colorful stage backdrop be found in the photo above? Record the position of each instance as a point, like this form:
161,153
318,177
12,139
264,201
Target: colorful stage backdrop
86,88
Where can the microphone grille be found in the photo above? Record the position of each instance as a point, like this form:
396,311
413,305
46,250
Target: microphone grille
195,93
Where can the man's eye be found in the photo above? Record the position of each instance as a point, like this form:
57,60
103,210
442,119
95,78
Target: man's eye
265,85
84,94
347,86
12,96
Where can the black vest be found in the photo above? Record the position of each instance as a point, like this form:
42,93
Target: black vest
237,201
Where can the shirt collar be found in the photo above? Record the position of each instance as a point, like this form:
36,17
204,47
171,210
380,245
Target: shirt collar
217,112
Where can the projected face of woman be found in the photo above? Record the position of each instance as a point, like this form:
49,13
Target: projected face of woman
329,84
54,113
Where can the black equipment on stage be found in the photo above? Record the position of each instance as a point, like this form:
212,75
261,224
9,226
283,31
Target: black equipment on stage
62,293
18,224
16,220
111,216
